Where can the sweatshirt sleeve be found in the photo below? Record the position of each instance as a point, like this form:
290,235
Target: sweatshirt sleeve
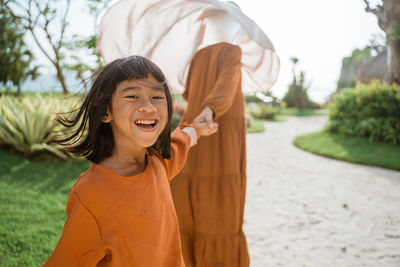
180,144
80,243
223,93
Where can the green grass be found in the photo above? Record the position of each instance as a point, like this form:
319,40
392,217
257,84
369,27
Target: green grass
277,118
302,112
33,197
352,149
178,97
256,126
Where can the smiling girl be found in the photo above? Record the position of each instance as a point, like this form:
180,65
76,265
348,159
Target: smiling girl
120,211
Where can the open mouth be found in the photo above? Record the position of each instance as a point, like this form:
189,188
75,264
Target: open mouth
146,124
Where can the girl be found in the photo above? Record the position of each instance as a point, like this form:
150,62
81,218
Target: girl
120,211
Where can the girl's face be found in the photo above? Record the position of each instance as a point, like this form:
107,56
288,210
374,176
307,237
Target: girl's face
139,112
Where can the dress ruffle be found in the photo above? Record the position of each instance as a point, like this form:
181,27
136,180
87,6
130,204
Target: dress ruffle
223,249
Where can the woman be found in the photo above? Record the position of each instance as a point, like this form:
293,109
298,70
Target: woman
209,193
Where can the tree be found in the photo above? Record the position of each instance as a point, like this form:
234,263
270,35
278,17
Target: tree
15,60
294,60
38,17
296,95
83,69
388,14
359,57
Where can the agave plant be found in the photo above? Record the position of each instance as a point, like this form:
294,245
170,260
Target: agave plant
28,123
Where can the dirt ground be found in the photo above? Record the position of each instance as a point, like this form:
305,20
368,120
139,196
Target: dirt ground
307,210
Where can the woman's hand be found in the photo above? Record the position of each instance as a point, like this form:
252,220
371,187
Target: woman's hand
205,122
205,116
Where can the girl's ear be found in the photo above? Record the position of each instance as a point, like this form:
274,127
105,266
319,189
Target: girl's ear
107,118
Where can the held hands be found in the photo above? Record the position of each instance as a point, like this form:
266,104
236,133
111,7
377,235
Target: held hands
205,122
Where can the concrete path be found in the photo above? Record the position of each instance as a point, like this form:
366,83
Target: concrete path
307,210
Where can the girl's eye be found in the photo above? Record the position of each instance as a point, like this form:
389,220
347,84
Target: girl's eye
132,96
158,97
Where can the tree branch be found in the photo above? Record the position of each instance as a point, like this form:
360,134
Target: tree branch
11,12
379,12
19,5
369,9
64,24
39,23
32,23
40,45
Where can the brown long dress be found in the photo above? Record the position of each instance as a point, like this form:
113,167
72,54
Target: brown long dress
209,193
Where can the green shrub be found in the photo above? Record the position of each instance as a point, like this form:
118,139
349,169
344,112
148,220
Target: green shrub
27,123
175,120
252,99
345,84
263,112
371,111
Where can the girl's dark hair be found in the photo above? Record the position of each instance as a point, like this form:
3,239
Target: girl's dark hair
88,135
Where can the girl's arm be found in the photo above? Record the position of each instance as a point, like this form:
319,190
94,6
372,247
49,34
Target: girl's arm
185,136
80,243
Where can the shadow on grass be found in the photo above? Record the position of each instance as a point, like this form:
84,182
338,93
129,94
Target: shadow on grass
42,177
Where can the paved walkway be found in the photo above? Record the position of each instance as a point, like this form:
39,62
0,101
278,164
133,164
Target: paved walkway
307,210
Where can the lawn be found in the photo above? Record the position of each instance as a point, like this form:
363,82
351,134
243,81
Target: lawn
352,149
256,126
302,112
32,212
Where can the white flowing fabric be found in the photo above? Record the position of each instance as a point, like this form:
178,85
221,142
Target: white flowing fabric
170,32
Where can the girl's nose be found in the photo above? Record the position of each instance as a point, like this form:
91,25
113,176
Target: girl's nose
147,106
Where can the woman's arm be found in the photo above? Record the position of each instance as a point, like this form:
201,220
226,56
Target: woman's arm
220,99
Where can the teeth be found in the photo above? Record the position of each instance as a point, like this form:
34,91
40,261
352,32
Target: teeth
145,122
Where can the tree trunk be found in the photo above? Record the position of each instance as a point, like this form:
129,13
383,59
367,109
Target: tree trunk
391,22
388,15
61,78
393,62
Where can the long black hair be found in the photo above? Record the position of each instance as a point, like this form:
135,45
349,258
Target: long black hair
88,136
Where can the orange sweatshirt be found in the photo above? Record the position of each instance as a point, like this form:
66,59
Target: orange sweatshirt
124,221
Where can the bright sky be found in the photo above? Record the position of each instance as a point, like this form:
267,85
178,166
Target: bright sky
319,33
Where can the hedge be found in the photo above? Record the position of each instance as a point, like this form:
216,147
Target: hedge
371,111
